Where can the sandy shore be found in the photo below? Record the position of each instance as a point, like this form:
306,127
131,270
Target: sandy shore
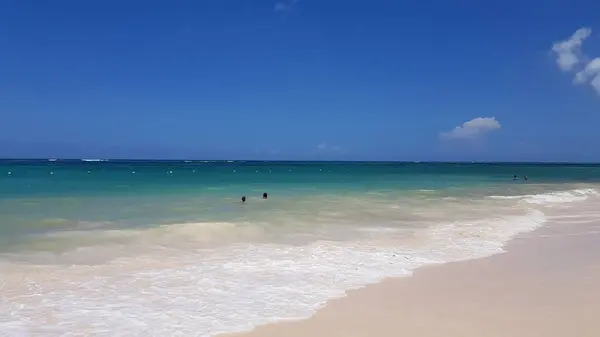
547,284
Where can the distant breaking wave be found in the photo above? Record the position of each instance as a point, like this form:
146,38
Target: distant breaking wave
552,197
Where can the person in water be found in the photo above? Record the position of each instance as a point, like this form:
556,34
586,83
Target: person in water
265,196
525,177
515,177
244,199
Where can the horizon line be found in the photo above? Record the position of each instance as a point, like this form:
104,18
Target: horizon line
96,160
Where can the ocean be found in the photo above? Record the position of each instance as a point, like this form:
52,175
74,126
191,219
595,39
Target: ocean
167,248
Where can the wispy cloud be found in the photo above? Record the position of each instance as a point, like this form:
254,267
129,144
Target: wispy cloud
285,5
327,147
472,129
571,59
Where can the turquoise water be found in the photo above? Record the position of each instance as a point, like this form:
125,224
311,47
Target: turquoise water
68,178
167,240
33,194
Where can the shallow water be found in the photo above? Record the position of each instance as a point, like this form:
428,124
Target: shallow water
167,248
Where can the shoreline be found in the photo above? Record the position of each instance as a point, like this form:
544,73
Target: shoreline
239,287
541,285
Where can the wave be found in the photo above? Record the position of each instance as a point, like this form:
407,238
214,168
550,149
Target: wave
552,197
202,292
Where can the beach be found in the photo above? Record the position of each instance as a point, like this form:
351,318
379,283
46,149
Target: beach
167,248
546,284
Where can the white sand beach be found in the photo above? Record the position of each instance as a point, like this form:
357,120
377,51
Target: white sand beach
546,284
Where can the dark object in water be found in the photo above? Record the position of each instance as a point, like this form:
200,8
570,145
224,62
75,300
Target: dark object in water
515,177
525,177
244,199
265,196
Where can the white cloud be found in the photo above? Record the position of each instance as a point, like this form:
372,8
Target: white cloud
568,52
285,5
472,129
571,59
591,74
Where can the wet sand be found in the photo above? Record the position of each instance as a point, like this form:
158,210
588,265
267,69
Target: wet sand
546,284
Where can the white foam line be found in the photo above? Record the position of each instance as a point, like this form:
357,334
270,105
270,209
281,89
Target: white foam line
567,234
575,222
570,216
552,197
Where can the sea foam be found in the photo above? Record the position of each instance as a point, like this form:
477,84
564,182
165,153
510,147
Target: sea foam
203,292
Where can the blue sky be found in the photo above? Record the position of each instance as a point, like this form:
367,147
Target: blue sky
307,79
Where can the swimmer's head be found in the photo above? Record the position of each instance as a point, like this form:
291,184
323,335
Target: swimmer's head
244,199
